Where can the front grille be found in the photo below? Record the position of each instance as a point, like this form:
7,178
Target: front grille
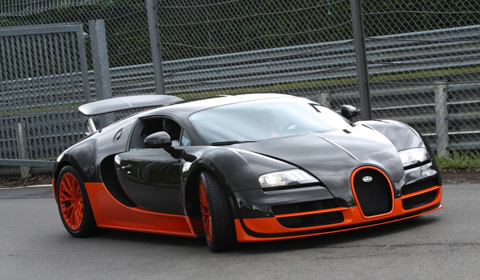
419,200
373,192
312,220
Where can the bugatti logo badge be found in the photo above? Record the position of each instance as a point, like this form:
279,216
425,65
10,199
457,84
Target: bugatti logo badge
367,179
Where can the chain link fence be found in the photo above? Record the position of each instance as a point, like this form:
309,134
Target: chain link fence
423,61
427,71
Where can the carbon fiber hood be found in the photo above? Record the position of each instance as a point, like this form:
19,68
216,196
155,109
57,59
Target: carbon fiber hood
334,155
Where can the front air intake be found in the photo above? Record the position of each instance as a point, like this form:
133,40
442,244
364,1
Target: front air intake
373,191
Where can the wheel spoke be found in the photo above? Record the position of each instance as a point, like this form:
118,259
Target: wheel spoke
78,216
64,190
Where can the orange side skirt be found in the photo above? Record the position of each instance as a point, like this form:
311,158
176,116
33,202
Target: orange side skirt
109,213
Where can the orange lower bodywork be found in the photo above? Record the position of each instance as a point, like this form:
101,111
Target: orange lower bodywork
353,219
109,213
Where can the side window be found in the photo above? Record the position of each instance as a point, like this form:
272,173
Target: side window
185,139
144,127
173,129
151,125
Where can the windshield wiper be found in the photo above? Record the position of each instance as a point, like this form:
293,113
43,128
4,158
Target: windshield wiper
222,143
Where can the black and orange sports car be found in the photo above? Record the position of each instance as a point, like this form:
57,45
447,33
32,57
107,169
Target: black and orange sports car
244,168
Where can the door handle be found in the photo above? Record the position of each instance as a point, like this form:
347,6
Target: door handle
127,168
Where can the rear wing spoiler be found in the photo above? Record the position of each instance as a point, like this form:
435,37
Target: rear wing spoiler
123,103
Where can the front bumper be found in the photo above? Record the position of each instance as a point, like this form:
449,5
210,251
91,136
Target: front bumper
269,228
291,214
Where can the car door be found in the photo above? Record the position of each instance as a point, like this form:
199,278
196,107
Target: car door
151,178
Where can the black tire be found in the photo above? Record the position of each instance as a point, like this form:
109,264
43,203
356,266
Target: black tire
217,216
73,204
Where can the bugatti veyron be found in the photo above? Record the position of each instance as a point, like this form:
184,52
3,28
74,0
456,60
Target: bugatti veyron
243,168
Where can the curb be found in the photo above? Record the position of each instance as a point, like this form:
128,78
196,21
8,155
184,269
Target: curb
28,192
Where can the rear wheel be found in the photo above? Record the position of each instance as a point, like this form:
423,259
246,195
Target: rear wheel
73,204
216,214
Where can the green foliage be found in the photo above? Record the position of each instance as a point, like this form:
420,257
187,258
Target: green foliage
190,28
402,16
200,30
464,160
125,20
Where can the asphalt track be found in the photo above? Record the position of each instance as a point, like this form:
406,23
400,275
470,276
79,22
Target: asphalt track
440,245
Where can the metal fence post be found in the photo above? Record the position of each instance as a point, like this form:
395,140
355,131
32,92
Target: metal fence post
98,40
441,115
323,98
361,58
155,46
83,63
22,148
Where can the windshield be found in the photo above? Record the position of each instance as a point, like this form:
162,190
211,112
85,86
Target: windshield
260,120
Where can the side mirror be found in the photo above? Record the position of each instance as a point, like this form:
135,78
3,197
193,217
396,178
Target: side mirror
349,112
158,140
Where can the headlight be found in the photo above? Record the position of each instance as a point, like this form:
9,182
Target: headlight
413,156
285,178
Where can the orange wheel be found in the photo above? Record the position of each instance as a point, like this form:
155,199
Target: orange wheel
73,204
71,201
216,213
205,209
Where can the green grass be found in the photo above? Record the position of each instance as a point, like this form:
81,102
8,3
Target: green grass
39,110
463,160
336,82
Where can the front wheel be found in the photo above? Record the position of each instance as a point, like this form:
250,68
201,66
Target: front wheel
216,214
73,204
